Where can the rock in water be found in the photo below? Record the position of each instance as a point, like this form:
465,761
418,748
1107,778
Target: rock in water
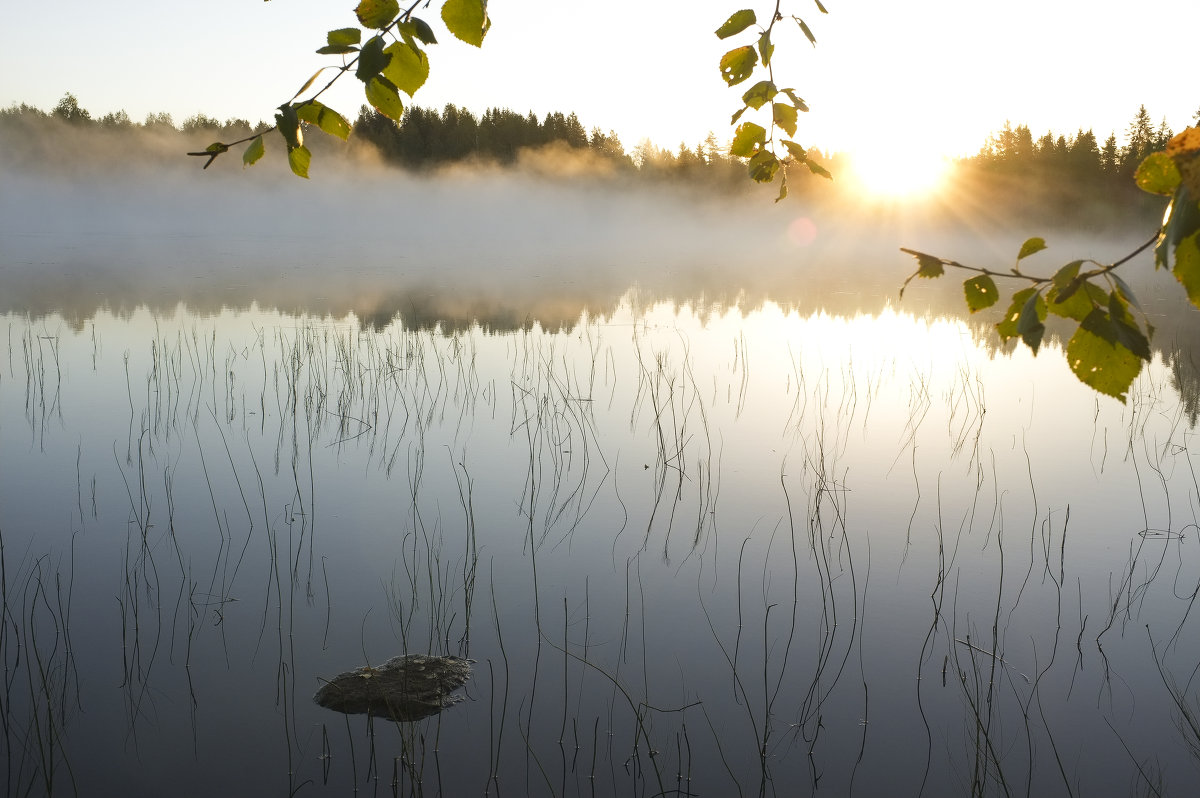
404,688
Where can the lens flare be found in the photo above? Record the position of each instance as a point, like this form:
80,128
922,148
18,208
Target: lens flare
802,231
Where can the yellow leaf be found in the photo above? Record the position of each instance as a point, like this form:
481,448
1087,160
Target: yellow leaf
1185,150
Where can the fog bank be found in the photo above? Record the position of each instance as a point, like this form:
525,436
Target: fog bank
88,221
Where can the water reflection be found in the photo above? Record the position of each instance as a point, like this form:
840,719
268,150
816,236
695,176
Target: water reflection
690,549
503,251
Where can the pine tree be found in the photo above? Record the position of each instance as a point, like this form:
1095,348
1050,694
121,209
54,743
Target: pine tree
1004,144
712,151
1161,136
1023,144
1084,154
609,146
1110,155
1141,140
576,136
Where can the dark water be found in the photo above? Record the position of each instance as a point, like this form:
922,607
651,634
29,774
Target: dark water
693,547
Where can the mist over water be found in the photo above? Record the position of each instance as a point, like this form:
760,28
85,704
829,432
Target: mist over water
82,228
711,510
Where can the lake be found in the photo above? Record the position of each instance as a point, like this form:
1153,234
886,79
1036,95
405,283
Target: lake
711,512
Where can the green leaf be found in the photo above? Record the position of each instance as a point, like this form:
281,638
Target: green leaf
782,188
408,68
253,152
1187,266
1071,302
1098,360
1127,332
288,124
747,139
981,292
1030,247
310,111
928,266
808,34
337,49
299,159
1184,217
759,94
821,7
377,13
737,65
419,29
1076,307
784,117
467,20
343,36
763,166
308,83
1115,327
738,115
1065,277
371,60
382,94
765,48
801,156
738,21
1118,308
1007,328
796,101
1181,220
1029,322
817,169
324,117
798,152
1125,291
1162,249
1158,174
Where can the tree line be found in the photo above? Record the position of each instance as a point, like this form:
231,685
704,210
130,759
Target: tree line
1065,178
426,138
70,111
1079,156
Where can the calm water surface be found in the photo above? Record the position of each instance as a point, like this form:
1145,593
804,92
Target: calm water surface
691,550
744,529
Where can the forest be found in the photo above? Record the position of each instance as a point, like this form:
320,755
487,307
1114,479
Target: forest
1060,177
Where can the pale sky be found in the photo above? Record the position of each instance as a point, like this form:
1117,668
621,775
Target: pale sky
885,75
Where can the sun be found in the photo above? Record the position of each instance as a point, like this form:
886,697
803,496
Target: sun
899,173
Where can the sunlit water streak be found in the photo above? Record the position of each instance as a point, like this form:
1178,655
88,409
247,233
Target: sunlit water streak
783,553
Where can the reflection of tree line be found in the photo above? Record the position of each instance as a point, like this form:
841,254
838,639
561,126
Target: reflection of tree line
1176,337
421,304
969,681
1014,180
1185,377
